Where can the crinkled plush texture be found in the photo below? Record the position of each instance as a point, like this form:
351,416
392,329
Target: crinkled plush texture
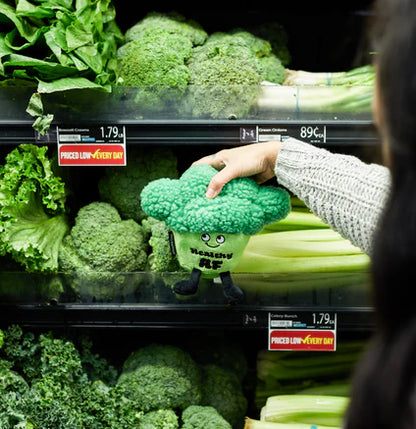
242,207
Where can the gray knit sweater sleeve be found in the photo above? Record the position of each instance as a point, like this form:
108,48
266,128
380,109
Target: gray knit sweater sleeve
346,193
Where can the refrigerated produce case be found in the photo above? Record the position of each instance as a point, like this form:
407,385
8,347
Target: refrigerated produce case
146,305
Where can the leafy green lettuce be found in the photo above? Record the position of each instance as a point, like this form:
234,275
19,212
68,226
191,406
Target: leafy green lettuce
32,209
59,45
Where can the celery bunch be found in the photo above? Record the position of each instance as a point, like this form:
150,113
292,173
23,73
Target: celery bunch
300,243
318,373
301,412
325,410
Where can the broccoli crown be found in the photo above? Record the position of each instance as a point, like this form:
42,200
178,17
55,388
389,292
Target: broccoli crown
101,251
242,207
159,419
153,62
101,241
242,45
276,34
161,376
156,58
222,390
173,23
203,417
122,186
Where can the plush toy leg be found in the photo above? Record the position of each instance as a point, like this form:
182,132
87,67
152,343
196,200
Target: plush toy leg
231,291
188,287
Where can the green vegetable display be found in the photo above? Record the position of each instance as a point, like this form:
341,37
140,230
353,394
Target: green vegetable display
325,410
221,389
33,209
54,382
203,417
100,249
291,372
122,186
161,377
59,45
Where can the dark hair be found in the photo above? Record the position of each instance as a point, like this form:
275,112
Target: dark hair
384,388
394,256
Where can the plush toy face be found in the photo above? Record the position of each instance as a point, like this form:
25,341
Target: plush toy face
212,253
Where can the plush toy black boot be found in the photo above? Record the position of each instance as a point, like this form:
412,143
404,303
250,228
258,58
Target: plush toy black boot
231,291
188,287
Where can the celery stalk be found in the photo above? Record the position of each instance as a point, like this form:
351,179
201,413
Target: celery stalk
297,219
285,244
257,263
257,424
324,410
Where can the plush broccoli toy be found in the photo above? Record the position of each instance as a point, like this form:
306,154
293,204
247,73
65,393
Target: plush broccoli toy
210,234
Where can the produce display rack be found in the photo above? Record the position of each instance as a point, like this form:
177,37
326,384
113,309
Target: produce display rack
193,137
209,310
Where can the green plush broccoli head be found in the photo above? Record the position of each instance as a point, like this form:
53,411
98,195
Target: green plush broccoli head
242,207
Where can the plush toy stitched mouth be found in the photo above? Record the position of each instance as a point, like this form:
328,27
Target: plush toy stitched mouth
212,247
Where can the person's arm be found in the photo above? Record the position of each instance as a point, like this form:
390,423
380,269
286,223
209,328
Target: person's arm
343,191
346,193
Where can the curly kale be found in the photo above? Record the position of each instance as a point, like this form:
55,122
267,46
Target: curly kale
45,384
122,187
101,250
160,376
203,417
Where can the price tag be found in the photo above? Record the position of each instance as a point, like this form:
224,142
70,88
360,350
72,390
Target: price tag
302,330
98,145
308,133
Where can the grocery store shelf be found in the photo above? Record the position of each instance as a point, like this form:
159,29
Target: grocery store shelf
268,120
165,316
146,301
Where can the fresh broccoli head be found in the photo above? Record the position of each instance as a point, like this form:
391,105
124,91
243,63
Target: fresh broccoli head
160,376
122,186
226,73
154,65
100,249
173,23
159,419
222,390
160,259
276,34
203,417
242,207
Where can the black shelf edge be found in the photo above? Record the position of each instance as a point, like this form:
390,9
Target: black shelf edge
227,132
350,319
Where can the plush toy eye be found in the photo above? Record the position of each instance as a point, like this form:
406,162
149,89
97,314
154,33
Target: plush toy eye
205,237
220,239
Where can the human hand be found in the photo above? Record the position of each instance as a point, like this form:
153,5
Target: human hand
255,160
